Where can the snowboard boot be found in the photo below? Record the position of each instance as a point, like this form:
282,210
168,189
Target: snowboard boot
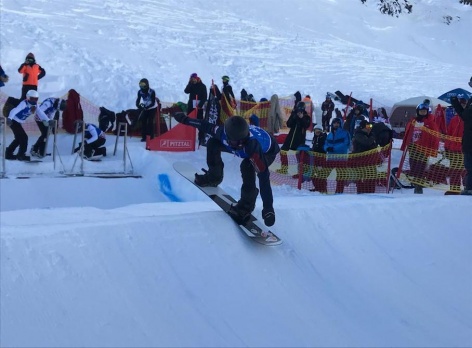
204,180
269,216
239,213
23,157
212,177
418,189
9,155
35,153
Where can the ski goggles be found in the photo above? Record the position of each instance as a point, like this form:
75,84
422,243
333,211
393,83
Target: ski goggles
33,100
142,85
423,112
236,144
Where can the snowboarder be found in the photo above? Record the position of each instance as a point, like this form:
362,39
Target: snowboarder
94,139
257,148
49,106
16,118
147,104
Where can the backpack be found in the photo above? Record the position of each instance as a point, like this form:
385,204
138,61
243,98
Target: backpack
10,104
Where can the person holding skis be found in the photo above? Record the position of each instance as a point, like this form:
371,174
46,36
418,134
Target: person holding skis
50,107
16,118
258,150
147,105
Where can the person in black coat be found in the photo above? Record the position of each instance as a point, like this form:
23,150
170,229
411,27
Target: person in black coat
147,105
320,172
298,122
327,108
463,107
197,98
363,141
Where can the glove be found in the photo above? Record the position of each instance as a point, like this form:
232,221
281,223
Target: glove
25,77
180,117
330,149
78,148
9,121
46,123
142,106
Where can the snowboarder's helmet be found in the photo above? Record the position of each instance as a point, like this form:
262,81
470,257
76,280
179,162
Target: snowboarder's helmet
225,78
32,96
422,110
301,106
237,130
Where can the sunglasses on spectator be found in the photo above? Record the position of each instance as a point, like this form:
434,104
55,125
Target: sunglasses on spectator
33,100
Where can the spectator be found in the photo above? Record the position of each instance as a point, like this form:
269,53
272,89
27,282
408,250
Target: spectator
421,143
32,73
228,92
336,147
358,116
50,107
276,117
94,139
197,98
320,171
310,109
3,77
363,141
147,104
453,148
16,118
298,122
463,108
327,108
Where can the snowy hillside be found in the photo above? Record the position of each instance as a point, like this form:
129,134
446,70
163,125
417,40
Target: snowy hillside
95,262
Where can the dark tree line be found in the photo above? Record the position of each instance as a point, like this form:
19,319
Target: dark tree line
396,7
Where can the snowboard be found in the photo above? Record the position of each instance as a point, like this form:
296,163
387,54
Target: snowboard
253,228
94,158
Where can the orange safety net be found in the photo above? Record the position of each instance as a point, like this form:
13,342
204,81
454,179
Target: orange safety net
438,163
366,172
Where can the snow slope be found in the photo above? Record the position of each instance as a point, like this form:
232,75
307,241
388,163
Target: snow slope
97,262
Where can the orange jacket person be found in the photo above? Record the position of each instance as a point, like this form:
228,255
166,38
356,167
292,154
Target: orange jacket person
32,72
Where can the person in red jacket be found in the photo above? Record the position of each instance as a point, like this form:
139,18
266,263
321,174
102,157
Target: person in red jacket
32,73
422,140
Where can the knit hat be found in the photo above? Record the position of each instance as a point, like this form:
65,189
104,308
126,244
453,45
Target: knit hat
194,75
225,78
30,55
318,126
363,124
